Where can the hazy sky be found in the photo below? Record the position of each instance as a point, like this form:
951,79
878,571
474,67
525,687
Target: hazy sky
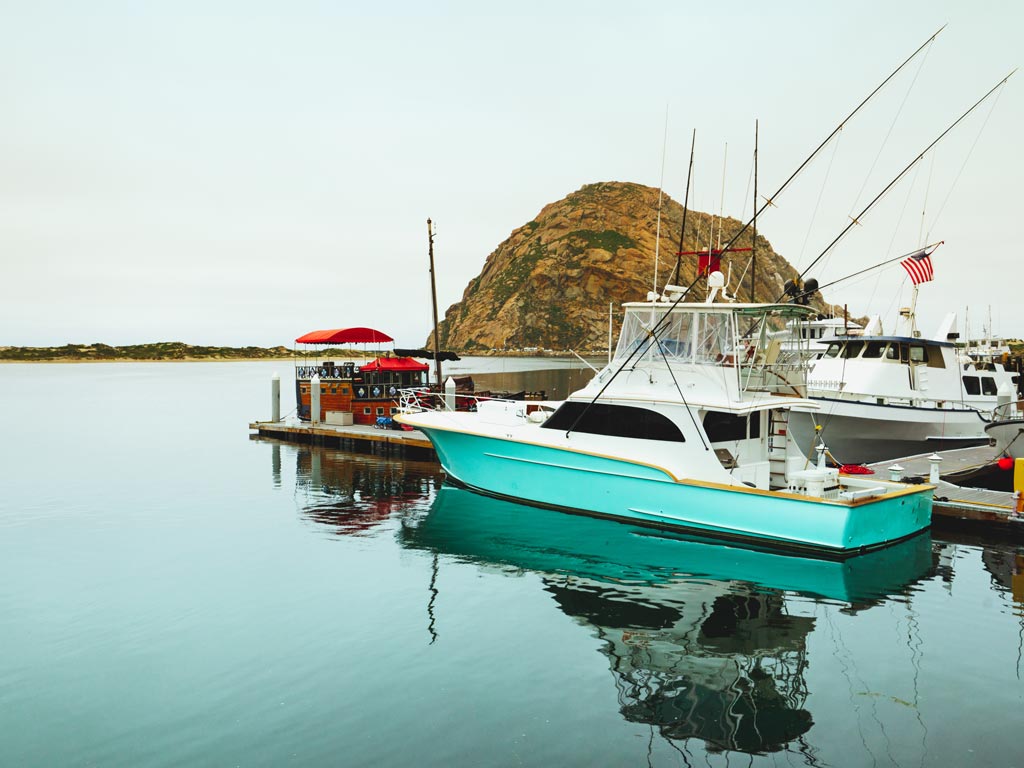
243,172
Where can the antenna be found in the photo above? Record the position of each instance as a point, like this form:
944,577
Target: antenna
661,190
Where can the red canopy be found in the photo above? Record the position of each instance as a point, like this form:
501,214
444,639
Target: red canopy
345,336
395,364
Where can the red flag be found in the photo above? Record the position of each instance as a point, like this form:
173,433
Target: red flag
709,262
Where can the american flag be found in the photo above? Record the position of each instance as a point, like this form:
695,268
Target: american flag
919,266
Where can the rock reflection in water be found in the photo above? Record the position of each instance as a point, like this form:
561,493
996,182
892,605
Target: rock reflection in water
697,634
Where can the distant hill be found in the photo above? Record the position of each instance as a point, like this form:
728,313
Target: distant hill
164,350
549,284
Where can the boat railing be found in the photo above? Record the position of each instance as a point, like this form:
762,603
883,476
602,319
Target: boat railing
326,371
1010,410
416,399
836,389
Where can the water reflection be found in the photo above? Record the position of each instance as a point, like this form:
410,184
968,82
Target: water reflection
698,636
351,493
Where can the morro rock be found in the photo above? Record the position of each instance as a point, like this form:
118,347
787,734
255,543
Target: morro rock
550,283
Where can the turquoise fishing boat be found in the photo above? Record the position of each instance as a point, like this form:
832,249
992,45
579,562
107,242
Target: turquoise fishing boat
686,429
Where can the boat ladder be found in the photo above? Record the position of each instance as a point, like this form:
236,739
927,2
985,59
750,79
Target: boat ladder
778,438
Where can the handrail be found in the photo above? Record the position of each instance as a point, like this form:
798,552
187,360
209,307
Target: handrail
418,399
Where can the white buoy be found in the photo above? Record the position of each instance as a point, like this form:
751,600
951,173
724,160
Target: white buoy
314,399
933,473
449,394
275,397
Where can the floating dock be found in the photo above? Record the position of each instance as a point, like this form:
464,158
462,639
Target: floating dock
954,500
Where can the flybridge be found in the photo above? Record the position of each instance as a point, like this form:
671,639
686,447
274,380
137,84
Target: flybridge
732,337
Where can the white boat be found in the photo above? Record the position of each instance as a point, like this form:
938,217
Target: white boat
810,339
686,428
888,396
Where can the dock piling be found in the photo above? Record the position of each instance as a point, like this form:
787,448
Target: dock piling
449,394
314,400
275,397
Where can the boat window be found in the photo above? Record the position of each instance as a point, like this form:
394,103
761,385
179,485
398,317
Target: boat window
896,352
833,350
971,385
918,354
874,348
722,427
695,336
988,385
853,348
615,420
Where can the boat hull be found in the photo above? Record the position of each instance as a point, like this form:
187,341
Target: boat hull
604,486
861,433
1009,437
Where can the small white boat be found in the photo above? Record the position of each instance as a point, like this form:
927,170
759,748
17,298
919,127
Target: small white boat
686,428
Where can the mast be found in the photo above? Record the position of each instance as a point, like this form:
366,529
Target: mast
753,243
433,299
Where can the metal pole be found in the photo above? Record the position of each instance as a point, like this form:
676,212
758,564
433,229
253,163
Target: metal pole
433,299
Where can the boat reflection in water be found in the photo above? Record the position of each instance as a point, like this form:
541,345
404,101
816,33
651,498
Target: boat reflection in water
351,493
697,633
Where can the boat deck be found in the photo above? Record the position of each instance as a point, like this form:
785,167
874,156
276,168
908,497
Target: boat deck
960,501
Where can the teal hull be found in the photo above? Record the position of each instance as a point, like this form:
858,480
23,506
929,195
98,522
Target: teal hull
608,487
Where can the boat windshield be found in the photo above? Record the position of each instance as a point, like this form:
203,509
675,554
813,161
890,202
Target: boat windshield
687,336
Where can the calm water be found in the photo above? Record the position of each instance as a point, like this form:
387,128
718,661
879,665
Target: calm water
175,593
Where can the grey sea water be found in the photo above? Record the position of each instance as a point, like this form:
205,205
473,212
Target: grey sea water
173,592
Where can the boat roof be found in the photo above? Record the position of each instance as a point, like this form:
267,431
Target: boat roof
902,339
358,335
395,364
751,310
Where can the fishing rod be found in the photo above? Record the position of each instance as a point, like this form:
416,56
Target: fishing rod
653,332
770,201
856,219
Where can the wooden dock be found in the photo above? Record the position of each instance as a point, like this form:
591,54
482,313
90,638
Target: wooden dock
954,500
356,436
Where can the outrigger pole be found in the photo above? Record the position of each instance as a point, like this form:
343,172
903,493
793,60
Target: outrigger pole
856,219
661,323
770,201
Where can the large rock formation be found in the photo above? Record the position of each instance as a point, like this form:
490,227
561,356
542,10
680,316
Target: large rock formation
550,283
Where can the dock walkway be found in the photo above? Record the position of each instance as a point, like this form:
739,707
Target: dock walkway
954,500
389,440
